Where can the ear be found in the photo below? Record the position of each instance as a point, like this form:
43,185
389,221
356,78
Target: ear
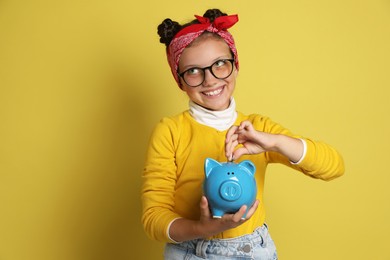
209,164
248,165
235,71
180,83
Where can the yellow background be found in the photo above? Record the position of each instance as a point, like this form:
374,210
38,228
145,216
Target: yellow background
82,83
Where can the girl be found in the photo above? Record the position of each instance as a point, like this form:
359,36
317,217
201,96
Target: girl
204,62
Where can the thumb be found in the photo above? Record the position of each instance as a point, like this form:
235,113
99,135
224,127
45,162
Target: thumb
239,152
204,207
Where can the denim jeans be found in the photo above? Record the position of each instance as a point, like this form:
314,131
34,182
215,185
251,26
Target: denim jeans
258,245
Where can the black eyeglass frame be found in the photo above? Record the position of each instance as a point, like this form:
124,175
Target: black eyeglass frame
181,75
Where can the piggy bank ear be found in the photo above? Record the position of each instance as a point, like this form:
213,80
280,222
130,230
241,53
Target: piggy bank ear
249,165
209,164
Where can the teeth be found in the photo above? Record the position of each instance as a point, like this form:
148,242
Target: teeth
213,93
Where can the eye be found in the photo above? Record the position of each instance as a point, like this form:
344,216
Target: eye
193,71
220,63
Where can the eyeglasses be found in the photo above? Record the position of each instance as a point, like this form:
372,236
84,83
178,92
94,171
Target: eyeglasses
221,69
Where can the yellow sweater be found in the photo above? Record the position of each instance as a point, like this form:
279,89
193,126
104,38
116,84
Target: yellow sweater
174,170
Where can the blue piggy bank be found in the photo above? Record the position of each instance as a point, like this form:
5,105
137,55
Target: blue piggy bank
228,186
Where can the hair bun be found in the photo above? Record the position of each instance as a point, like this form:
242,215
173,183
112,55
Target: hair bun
213,13
167,30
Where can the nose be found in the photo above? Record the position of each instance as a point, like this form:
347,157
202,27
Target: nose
209,79
230,190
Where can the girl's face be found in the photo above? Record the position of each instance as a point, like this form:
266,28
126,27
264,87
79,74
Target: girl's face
213,93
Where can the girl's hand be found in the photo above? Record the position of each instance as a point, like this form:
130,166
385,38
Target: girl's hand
183,229
253,142
209,226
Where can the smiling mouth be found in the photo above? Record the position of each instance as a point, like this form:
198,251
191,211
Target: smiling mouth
214,92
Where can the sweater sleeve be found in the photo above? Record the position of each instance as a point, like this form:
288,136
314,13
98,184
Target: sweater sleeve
159,178
321,161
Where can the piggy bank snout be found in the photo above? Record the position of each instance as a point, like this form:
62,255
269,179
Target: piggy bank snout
230,190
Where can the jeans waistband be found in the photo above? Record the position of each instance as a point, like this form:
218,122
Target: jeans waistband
239,246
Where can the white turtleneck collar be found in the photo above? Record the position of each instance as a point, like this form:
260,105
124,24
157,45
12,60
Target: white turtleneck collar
220,120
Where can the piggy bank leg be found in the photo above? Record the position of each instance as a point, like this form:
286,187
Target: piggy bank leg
217,213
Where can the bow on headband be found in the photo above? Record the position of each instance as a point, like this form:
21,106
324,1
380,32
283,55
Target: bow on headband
220,23
188,34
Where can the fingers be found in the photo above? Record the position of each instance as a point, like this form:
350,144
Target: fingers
238,216
239,152
229,149
237,135
204,208
230,133
231,142
252,210
245,129
243,125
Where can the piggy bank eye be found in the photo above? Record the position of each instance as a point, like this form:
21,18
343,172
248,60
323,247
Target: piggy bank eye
232,173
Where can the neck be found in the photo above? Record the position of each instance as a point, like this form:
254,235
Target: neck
220,120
